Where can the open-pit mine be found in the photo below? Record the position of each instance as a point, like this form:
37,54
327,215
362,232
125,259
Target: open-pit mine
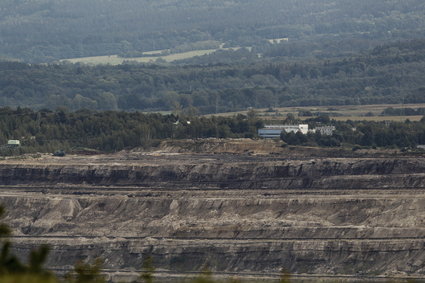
250,211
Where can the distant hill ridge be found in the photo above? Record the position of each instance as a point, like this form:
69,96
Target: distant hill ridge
47,30
388,74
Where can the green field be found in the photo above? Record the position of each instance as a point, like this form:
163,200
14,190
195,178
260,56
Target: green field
339,113
116,60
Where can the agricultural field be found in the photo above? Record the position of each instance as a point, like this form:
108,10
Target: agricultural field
339,113
379,118
117,60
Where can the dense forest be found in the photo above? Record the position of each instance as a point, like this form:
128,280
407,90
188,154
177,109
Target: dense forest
387,74
47,30
359,134
86,131
109,131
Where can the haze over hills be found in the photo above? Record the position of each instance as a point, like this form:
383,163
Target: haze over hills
332,52
47,30
388,74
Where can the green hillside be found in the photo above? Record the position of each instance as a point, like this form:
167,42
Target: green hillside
388,74
46,30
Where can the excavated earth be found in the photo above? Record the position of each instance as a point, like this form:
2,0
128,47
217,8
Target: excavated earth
244,214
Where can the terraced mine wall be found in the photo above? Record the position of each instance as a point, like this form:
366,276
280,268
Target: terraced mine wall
235,214
230,173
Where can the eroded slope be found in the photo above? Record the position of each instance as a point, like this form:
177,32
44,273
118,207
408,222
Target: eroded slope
235,213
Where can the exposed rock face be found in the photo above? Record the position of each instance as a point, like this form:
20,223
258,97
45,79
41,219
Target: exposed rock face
234,213
226,172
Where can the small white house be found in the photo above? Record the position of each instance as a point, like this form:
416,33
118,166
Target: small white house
13,143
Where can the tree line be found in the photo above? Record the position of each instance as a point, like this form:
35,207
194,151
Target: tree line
390,111
109,131
359,134
388,74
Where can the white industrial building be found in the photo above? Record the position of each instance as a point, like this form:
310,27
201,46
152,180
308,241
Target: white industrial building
325,130
13,143
274,131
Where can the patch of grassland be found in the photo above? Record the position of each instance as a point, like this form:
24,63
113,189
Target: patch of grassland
340,113
116,60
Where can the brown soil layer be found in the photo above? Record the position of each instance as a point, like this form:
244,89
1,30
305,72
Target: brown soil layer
237,209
